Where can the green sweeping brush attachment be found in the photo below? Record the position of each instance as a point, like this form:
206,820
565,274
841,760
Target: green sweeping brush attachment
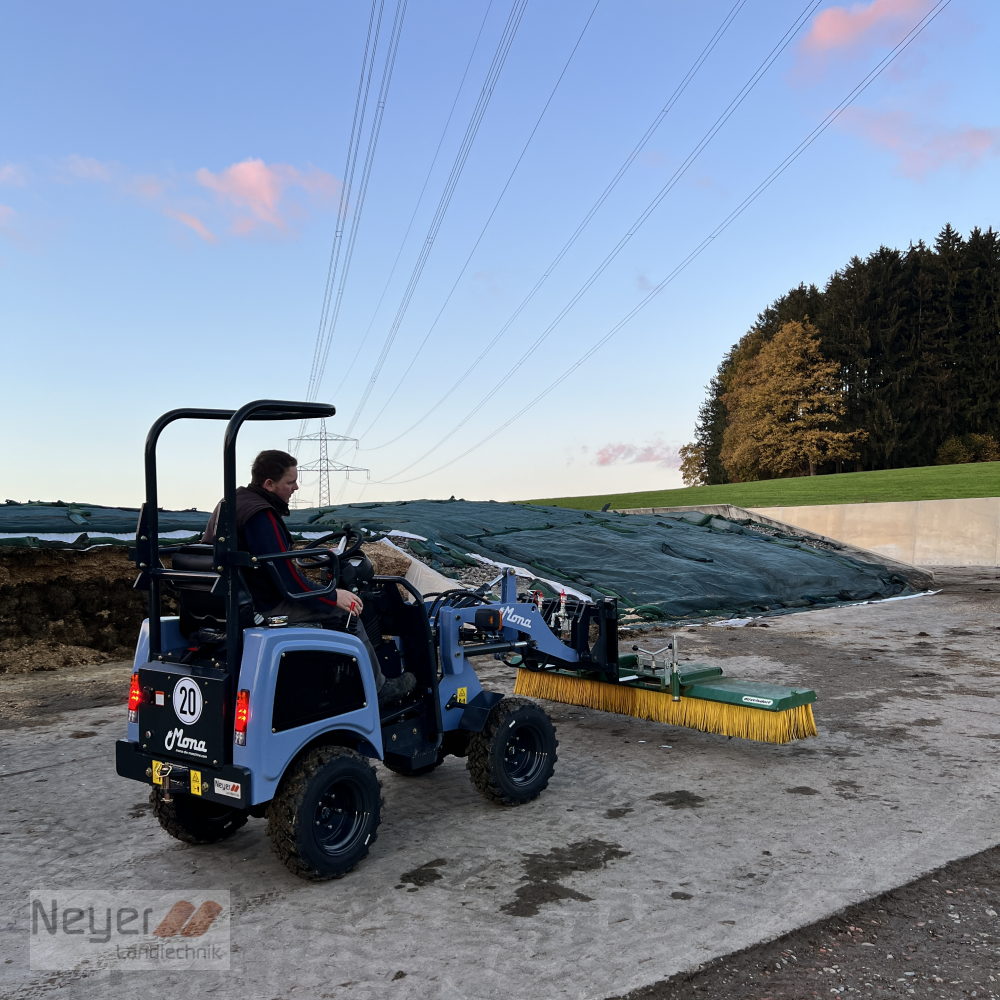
702,699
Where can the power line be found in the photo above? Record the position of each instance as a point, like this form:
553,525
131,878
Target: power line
420,199
353,145
390,62
499,58
742,94
489,219
605,194
698,250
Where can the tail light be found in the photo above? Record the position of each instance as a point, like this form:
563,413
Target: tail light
242,715
134,697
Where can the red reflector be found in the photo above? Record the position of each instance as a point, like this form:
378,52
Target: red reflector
134,698
134,694
242,715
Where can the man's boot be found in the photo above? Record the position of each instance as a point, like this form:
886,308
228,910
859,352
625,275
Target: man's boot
396,687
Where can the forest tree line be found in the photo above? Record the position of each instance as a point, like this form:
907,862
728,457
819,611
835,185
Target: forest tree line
894,363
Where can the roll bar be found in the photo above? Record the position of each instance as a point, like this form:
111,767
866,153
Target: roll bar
226,556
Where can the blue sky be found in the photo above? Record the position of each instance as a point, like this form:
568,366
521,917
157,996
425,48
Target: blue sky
170,179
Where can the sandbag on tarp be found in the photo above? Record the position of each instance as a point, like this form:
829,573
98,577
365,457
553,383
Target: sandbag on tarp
666,567
83,525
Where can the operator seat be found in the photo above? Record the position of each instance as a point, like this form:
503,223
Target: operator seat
202,612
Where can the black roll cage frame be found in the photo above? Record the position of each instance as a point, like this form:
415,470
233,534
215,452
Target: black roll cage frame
226,557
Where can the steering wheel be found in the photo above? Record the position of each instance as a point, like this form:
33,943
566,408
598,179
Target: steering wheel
353,545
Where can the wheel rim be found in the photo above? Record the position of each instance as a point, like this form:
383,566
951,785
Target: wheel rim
524,754
340,816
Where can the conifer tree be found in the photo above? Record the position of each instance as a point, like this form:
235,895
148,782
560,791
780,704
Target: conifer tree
916,338
785,406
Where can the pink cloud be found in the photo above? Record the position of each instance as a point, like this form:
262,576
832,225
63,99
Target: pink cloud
12,175
260,187
193,222
85,168
6,214
251,184
922,149
147,186
665,455
248,195
839,28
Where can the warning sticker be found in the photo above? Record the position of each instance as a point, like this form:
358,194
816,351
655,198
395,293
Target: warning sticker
157,775
196,782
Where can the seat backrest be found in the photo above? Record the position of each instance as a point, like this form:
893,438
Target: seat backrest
199,607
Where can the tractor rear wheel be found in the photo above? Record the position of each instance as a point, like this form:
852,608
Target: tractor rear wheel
326,814
512,759
195,820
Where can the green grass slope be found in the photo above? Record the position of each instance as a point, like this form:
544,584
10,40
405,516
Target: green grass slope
932,482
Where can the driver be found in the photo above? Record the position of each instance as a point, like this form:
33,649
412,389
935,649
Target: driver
260,530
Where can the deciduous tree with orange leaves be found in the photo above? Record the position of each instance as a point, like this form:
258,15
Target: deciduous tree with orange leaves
784,406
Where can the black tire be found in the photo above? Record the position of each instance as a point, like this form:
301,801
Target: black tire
326,814
420,770
195,820
512,759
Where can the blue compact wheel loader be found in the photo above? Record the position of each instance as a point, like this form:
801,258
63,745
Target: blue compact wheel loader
232,715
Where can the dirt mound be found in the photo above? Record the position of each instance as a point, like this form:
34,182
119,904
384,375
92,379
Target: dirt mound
62,608
385,560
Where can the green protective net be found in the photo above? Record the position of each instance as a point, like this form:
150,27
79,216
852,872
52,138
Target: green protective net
673,567
82,525
665,567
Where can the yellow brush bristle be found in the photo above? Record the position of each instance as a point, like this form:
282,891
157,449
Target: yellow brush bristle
659,706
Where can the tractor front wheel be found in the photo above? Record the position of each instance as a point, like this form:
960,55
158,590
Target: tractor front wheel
326,814
512,759
195,820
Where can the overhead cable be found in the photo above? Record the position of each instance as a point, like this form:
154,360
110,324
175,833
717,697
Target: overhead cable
353,145
390,62
744,91
499,58
482,232
830,118
416,208
681,87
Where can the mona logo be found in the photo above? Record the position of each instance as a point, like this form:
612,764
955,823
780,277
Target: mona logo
177,740
509,618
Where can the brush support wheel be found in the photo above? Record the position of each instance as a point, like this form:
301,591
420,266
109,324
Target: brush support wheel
512,759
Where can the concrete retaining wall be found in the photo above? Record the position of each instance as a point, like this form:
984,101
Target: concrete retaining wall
919,532
915,532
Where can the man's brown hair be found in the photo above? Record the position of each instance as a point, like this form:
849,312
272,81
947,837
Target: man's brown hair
271,465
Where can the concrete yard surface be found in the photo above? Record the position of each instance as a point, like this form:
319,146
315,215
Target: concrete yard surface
652,850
